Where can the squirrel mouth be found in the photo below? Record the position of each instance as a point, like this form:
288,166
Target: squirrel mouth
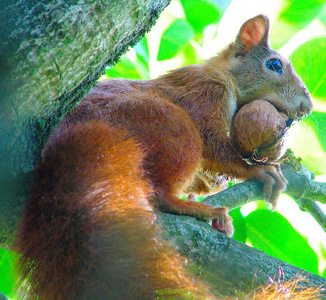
296,108
280,109
293,116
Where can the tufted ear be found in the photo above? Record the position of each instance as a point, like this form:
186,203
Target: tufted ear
254,32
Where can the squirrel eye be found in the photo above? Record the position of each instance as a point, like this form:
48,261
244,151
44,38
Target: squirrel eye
274,65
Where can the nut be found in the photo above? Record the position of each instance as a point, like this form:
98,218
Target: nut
258,131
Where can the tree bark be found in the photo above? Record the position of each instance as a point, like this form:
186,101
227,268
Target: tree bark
231,268
51,54
227,266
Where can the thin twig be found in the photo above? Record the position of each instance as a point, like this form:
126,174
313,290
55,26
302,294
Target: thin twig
315,210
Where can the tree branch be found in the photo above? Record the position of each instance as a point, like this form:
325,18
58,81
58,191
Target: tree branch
227,266
300,186
230,267
314,210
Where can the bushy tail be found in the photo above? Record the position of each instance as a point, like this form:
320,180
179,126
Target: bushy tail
88,229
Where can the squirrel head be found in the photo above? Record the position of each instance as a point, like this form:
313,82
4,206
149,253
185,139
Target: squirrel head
261,73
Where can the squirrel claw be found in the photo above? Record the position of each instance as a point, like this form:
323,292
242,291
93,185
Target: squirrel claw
223,224
273,205
228,230
273,180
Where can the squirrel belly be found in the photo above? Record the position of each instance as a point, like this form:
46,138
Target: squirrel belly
88,230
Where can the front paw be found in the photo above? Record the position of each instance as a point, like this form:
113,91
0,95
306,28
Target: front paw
222,221
273,180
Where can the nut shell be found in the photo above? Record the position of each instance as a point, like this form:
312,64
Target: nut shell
258,128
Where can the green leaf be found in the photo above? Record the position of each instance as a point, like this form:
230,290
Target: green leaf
324,273
240,230
307,141
176,36
317,121
282,32
190,55
272,233
125,68
7,283
301,12
200,13
141,49
132,69
309,62
295,15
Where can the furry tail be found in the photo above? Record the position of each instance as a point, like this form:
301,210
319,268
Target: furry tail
88,229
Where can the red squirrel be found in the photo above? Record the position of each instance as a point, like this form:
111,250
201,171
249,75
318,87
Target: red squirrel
130,148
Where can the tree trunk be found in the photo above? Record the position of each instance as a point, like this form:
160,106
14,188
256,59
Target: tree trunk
51,54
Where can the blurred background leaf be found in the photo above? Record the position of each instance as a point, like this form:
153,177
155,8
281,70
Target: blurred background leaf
309,62
300,13
201,13
272,233
307,141
239,224
7,281
176,36
294,15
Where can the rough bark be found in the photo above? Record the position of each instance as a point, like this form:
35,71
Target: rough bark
230,267
51,54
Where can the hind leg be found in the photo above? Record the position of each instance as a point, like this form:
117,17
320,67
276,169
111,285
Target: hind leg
221,219
169,179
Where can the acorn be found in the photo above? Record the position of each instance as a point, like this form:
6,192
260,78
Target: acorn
259,132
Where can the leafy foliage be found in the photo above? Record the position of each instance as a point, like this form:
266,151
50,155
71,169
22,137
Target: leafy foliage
293,17
174,38
211,10
272,232
188,32
310,65
6,268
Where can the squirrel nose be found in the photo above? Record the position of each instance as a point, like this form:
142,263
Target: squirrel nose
305,108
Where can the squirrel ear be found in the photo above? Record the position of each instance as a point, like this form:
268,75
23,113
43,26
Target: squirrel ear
254,32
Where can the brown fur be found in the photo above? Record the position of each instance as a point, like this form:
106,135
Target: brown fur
87,217
88,230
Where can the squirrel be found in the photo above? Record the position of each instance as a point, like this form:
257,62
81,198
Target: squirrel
130,148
